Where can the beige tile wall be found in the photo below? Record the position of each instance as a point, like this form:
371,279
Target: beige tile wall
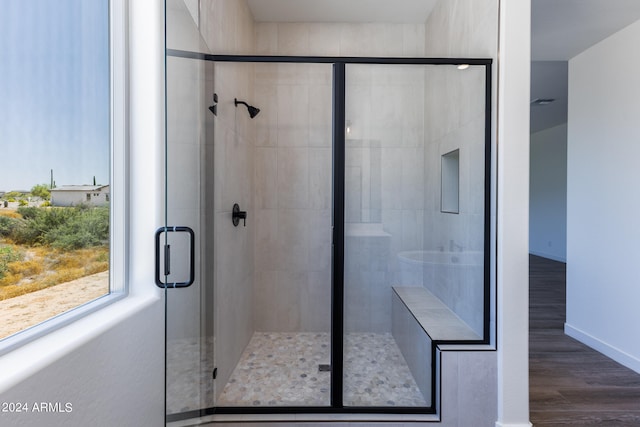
227,28
293,167
293,196
454,102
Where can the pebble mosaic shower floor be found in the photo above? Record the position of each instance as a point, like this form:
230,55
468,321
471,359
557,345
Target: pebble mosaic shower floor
281,369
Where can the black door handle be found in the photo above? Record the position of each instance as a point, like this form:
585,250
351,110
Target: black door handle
167,257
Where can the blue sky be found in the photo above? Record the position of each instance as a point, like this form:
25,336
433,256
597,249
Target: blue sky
54,92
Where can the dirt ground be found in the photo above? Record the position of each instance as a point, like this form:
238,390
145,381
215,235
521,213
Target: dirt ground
21,312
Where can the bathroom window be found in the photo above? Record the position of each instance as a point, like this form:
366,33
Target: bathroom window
61,251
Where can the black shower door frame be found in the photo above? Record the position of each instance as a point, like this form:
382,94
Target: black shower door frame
338,217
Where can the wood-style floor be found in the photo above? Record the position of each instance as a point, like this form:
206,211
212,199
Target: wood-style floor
571,384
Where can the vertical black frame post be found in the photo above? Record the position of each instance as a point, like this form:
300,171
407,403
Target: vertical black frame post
337,293
488,173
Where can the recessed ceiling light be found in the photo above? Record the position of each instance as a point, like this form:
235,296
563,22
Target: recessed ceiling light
542,101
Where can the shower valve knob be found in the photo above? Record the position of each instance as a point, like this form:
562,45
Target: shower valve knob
237,215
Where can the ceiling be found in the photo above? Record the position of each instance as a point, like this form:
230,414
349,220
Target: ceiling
396,11
560,30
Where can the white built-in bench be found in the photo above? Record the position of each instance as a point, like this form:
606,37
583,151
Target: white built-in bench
418,319
435,318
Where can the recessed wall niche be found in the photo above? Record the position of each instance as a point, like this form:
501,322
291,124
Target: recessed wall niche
450,182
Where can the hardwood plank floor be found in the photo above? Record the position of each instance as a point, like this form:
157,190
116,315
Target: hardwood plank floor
571,384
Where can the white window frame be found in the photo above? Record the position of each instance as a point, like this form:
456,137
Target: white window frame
118,286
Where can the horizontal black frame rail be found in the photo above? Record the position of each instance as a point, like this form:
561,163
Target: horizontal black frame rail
327,59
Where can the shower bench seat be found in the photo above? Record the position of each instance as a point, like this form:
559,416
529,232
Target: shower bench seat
437,320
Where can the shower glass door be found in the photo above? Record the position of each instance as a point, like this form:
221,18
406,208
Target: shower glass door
253,332
185,257
189,310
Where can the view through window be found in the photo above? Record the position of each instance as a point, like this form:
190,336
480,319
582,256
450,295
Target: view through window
54,158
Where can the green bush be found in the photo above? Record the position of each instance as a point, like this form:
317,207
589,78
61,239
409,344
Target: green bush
28,212
64,228
42,191
38,222
89,227
13,195
7,255
8,225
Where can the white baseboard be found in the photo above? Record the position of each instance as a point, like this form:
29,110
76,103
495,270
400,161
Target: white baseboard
499,424
549,256
608,350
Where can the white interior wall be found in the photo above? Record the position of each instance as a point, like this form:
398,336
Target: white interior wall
548,193
512,266
602,208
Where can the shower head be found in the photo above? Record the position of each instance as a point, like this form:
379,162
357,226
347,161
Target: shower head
253,111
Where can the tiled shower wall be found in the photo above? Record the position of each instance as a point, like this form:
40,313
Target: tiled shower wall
293,197
454,101
293,165
227,28
457,124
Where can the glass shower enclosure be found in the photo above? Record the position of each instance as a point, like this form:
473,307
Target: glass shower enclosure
327,226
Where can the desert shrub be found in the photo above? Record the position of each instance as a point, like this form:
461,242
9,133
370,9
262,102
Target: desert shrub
25,268
63,228
10,214
89,227
8,255
28,212
7,225
68,260
13,194
96,267
48,267
23,202
42,191
25,234
103,257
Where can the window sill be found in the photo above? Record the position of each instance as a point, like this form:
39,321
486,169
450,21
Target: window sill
58,337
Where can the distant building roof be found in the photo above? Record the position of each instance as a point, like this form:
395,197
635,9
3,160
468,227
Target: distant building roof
80,188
